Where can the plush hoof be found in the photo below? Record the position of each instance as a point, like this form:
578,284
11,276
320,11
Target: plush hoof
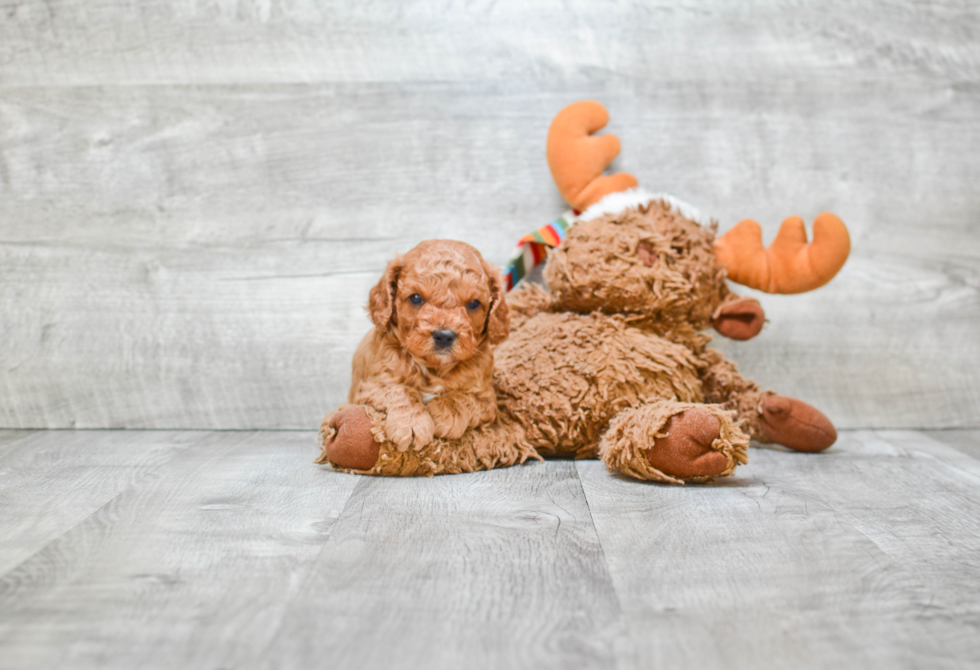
352,446
794,424
686,451
740,320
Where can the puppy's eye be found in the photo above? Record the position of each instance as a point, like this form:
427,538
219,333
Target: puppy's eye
473,305
415,299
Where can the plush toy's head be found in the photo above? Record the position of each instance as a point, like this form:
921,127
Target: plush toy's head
644,255
648,260
442,301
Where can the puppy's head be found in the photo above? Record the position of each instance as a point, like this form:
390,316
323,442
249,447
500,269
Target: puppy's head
442,301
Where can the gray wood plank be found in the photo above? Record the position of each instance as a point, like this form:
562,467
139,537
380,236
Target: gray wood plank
489,570
920,504
953,453
193,566
236,551
246,41
864,556
967,441
52,480
181,256
8,437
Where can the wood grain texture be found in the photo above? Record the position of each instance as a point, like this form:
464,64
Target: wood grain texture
69,42
195,197
489,570
864,556
51,481
237,551
8,437
193,566
967,441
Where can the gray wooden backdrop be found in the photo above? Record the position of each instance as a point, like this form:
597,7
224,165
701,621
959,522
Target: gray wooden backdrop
195,196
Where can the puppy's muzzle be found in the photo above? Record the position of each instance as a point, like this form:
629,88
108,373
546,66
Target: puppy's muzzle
443,339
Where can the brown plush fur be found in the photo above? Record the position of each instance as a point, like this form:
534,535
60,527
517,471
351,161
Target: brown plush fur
426,391
497,445
649,264
618,332
564,376
636,431
599,366
611,364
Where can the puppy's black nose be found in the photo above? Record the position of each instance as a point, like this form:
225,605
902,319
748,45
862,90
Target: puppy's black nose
443,338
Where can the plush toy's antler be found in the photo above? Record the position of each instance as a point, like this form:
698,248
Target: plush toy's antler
577,159
790,264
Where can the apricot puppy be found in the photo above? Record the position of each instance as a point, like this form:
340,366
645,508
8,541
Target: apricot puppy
427,363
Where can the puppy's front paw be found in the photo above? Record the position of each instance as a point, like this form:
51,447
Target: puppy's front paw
409,428
449,421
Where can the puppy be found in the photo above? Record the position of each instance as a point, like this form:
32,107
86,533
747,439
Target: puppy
427,362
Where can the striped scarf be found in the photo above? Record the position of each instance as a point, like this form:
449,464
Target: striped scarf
533,247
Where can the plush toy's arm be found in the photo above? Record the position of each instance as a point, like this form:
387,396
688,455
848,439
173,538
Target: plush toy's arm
525,301
407,423
738,318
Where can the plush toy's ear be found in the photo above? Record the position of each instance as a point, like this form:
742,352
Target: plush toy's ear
381,303
497,326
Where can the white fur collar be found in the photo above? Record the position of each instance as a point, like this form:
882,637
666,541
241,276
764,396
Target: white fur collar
634,197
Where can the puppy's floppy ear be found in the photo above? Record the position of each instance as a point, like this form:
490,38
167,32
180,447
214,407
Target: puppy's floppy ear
497,326
381,303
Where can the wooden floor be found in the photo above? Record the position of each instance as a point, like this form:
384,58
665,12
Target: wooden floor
133,549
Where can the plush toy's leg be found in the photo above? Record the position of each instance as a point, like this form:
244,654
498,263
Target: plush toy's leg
674,442
765,416
795,424
352,439
346,439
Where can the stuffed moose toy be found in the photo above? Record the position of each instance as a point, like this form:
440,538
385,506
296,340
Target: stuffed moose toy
609,362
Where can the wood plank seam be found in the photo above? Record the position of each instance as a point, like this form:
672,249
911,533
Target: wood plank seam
149,473
270,645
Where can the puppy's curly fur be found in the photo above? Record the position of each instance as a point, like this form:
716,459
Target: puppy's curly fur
440,291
